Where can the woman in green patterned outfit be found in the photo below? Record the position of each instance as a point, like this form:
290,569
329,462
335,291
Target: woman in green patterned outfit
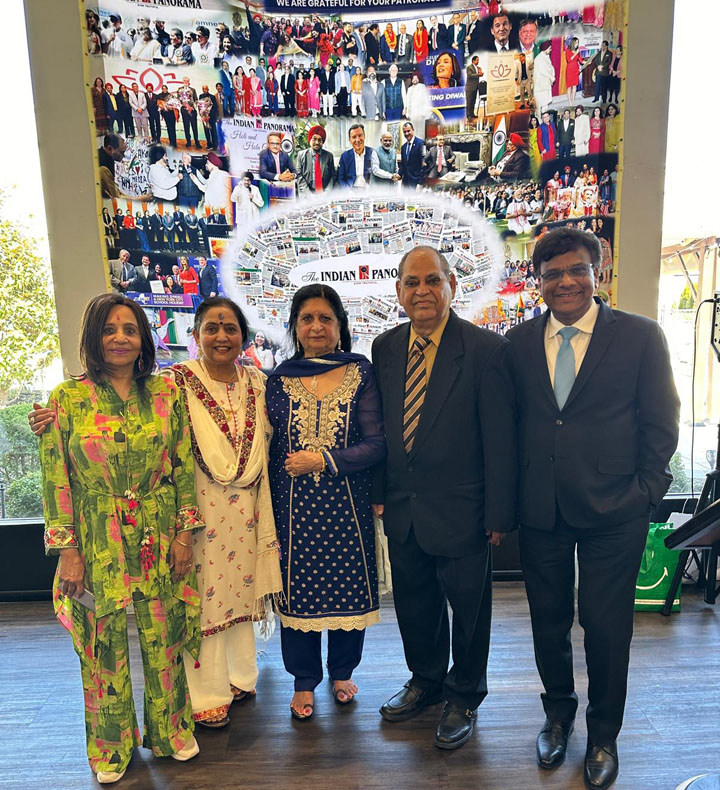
119,509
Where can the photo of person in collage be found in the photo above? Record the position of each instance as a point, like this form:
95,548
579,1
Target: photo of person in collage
203,125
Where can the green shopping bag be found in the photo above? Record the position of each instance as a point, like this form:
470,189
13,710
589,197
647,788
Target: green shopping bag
656,572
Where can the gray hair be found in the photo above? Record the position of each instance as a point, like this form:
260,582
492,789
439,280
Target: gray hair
441,259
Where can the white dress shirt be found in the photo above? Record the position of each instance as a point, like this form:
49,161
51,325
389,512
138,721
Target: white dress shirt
163,183
375,169
120,45
579,343
204,55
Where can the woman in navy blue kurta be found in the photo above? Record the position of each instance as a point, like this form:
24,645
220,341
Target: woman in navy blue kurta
321,456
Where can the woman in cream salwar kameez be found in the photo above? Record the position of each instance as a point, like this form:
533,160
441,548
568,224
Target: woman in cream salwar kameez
237,558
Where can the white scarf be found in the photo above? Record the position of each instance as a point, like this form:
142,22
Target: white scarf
221,458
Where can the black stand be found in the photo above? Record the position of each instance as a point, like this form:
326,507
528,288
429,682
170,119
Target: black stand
709,562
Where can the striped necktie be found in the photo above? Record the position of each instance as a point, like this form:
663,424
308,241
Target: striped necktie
415,388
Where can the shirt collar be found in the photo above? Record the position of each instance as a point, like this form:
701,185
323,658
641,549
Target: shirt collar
435,337
585,324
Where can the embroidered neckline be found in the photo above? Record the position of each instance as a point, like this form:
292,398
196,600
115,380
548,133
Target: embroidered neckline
187,379
318,421
329,394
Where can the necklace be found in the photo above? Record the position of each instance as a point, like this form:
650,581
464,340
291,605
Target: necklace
235,377
235,436
229,388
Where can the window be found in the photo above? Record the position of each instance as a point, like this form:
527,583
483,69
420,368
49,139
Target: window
25,375
689,266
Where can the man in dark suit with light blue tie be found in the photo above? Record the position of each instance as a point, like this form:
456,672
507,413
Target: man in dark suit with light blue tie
412,154
598,424
275,164
447,490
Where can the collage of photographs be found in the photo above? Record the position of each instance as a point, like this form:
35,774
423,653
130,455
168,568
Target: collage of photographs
213,125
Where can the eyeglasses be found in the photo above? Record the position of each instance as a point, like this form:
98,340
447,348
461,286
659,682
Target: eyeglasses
576,272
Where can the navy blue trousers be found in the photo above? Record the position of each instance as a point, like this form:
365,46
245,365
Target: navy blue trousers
303,659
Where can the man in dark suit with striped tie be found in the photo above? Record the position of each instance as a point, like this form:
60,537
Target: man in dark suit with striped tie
447,489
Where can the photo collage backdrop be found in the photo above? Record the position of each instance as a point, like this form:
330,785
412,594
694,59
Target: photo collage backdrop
249,149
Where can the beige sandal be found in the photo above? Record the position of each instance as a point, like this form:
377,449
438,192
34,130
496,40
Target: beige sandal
239,695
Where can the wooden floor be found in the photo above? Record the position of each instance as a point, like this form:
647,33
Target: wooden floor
671,726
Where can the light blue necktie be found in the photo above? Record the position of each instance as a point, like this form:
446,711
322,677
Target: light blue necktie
565,366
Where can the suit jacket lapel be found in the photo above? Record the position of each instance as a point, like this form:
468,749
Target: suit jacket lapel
602,335
351,165
394,366
537,351
444,372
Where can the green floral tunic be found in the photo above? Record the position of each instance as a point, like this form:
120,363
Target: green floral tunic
115,473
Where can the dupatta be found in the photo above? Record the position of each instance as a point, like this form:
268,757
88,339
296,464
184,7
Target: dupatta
245,466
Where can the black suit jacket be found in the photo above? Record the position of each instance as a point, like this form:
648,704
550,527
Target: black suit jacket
460,475
565,137
411,166
474,36
442,38
327,82
372,49
518,166
604,458
156,222
208,281
287,85
140,282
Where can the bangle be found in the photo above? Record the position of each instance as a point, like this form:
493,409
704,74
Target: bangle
324,462
187,545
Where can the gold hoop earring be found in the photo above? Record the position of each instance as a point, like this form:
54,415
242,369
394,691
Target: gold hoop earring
297,345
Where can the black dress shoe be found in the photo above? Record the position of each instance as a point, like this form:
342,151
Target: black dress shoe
601,766
551,743
408,703
455,727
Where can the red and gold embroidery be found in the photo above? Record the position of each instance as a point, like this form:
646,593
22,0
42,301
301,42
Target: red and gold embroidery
216,629
186,379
